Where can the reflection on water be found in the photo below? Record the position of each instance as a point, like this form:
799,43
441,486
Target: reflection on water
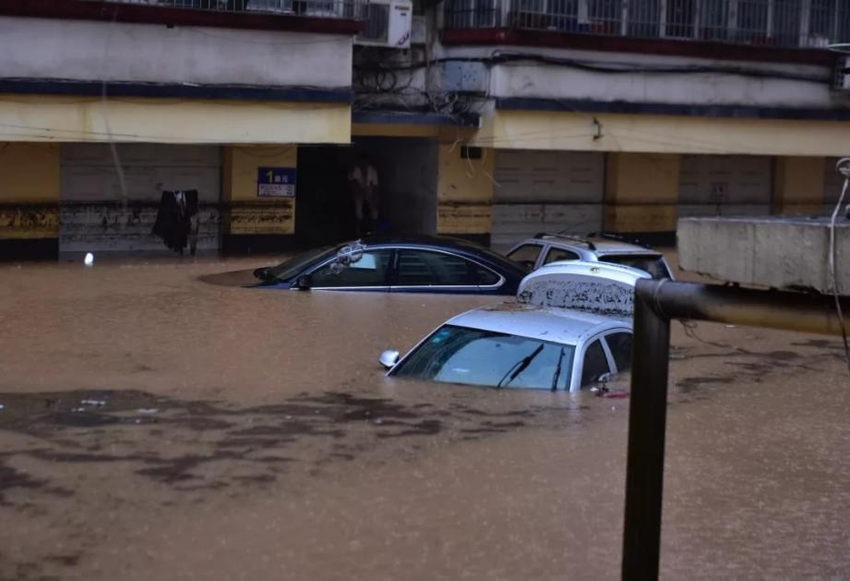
158,426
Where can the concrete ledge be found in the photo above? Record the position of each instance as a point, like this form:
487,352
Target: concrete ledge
783,253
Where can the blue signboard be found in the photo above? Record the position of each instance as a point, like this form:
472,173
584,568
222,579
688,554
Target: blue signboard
276,182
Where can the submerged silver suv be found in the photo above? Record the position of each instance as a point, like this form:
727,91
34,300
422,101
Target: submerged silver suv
545,248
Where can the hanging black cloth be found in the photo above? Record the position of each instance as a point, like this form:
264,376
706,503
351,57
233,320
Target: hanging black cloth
176,219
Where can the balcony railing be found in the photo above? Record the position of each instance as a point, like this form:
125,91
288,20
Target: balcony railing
347,9
779,23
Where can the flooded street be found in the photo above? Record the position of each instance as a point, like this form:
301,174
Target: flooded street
157,426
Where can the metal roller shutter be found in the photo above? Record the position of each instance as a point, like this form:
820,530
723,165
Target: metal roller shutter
545,191
96,217
724,185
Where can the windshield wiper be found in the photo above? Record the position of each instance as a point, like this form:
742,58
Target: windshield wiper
521,366
558,370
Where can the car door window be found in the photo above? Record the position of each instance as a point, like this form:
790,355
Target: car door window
620,345
595,363
526,255
484,276
369,270
555,254
427,268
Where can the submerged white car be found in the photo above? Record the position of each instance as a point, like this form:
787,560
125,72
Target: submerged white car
547,248
570,327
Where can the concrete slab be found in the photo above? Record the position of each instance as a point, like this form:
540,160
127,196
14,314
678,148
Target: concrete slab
775,252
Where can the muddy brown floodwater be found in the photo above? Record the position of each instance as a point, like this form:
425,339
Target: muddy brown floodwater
156,426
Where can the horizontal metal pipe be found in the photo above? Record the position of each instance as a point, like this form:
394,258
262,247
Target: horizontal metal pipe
791,311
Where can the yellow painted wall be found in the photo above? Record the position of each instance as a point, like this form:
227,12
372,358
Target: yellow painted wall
58,118
29,190
245,212
798,185
662,134
641,192
465,192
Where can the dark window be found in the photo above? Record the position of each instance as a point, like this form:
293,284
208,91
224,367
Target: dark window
555,254
680,18
620,345
485,276
369,270
714,20
526,255
595,364
752,21
644,18
423,268
376,23
786,22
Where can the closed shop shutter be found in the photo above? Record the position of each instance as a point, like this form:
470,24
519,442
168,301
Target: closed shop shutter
548,191
724,185
95,215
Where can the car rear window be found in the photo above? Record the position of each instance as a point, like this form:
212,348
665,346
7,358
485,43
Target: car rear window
526,255
652,263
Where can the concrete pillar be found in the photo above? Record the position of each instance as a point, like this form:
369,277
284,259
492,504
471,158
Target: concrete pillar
798,185
29,200
465,192
253,220
641,193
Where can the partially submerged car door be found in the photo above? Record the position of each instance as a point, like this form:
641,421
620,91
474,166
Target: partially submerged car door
419,270
369,272
607,352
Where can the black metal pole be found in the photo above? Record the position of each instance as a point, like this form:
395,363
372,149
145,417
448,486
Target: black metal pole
647,424
656,304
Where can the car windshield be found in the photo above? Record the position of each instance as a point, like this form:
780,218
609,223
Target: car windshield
476,357
652,263
289,268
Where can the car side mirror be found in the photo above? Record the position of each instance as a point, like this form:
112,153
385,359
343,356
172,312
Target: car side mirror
304,282
389,358
263,274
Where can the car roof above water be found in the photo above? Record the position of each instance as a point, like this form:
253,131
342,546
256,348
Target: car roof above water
542,323
601,246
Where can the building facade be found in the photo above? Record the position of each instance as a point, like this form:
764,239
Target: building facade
487,119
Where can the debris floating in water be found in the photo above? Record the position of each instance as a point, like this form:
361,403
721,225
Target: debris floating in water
89,259
148,410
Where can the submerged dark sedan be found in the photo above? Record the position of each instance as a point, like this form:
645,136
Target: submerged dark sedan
432,264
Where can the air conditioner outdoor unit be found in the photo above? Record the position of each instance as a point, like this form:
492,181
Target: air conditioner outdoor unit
388,24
